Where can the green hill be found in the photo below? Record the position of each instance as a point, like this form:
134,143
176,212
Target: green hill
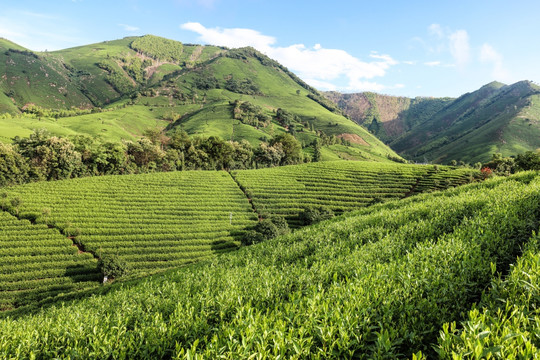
497,118
117,89
388,281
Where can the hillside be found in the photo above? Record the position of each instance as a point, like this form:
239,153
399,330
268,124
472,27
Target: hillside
388,117
153,222
497,118
118,89
494,119
333,290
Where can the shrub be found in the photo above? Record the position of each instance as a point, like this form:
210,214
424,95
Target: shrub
312,215
112,266
268,228
252,237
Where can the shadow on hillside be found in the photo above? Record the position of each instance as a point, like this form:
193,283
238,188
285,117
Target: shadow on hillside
78,281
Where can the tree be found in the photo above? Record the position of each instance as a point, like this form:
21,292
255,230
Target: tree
501,165
13,167
292,150
145,154
272,227
528,161
312,215
269,155
50,157
112,266
317,155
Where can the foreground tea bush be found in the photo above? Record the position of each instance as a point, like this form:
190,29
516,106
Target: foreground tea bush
379,283
506,324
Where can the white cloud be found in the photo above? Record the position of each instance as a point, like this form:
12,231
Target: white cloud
445,40
459,47
432,63
320,66
435,29
322,85
233,38
489,55
129,28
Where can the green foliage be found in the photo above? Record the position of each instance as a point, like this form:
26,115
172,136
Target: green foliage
135,66
340,185
528,161
158,48
110,91
150,221
285,118
284,149
13,167
112,266
378,283
311,215
250,114
206,82
496,118
116,78
244,86
505,323
50,157
324,102
500,165
39,263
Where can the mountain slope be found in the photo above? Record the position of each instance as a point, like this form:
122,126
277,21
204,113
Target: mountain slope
386,116
495,118
138,83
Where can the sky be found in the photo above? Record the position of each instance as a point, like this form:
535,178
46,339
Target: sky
404,48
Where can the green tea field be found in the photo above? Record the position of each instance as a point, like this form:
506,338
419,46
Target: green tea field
393,280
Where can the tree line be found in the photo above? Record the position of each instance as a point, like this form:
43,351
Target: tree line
42,156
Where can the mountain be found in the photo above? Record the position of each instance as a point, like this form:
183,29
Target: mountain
118,89
386,116
496,118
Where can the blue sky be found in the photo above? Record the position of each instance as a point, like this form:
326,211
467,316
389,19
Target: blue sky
409,48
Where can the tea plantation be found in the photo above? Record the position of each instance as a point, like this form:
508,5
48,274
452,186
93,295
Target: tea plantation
153,222
394,280
38,262
341,185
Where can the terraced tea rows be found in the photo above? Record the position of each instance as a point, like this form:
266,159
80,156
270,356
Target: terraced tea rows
382,283
159,221
37,263
340,185
152,221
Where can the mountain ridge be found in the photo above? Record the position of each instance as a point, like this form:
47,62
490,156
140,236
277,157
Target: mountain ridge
116,89
496,118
